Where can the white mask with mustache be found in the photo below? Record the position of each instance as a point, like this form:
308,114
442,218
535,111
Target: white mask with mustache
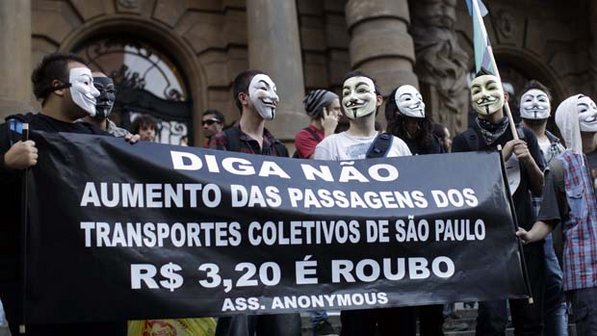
534,104
487,94
409,101
587,114
82,90
358,97
262,93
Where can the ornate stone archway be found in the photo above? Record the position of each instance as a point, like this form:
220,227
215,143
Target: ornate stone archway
133,100
177,28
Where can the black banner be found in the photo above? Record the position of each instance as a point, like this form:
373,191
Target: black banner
120,231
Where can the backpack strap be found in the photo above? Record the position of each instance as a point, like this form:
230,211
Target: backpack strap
314,135
380,145
556,168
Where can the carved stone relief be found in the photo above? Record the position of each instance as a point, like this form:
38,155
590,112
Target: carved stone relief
441,64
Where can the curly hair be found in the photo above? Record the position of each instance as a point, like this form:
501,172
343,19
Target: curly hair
397,123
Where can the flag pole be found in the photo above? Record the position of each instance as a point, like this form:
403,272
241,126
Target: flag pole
506,105
24,226
476,12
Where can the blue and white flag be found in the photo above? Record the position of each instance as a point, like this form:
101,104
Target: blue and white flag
483,52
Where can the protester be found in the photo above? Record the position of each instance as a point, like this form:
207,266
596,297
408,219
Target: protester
104,104
406,117
146,126
490,130
64,84
323,107
256,98
212,121
405,114
569,199
535,108
360,102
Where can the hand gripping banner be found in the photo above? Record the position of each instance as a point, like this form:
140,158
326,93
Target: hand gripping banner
119,232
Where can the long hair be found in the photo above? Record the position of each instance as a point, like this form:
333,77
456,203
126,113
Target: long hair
397,123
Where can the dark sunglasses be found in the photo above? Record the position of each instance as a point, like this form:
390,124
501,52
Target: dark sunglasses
210,122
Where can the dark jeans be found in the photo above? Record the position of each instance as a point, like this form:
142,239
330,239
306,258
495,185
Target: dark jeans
263,325
555,312
317,316
382,321
526,318
584,306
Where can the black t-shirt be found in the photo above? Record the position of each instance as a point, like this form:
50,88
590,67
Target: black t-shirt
10,183
433,147
521,198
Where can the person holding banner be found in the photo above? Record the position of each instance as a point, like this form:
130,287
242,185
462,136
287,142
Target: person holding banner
570,199
406,117
535,109
64,84
490,131
256,98
361,99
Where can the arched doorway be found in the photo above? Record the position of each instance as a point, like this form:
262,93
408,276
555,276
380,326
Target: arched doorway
147,80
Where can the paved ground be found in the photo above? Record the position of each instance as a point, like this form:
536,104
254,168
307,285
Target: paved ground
463,326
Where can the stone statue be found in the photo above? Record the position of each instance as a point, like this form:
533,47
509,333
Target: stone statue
441,64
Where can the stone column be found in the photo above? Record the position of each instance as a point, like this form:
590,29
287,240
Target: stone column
274,47
380,44
15,57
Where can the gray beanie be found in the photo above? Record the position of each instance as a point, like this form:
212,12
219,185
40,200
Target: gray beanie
315,101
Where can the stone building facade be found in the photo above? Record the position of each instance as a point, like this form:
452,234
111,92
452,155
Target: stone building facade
177,58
